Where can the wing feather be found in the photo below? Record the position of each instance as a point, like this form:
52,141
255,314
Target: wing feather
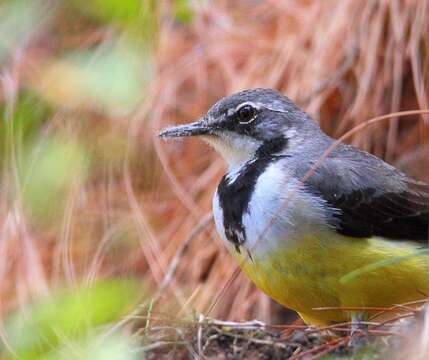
371,197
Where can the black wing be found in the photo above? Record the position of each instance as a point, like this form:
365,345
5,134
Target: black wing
372,197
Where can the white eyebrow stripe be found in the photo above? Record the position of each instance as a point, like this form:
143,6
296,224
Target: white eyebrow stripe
274,109
239,106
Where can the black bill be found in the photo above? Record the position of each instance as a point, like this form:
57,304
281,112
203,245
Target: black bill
193,129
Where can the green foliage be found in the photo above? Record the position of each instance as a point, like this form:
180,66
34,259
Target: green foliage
19,20
114,348
110,79
48,173
47,166
50,327
124,11
136,16
73,65
29,115
182,11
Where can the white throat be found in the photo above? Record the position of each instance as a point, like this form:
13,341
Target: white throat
235,150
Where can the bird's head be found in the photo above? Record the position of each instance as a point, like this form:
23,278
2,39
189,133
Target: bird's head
256,122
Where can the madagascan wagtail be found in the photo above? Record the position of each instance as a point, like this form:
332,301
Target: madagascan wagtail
350,237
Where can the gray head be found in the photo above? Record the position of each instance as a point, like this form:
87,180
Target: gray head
256,122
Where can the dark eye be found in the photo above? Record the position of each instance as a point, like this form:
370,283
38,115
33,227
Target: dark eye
246,114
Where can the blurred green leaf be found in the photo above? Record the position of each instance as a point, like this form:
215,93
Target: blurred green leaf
113,348
135,19
69,316
48,172
29,115
123,11
19,20
111,79
182,11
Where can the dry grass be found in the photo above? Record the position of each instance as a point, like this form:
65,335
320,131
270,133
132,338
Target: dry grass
398,337
139,210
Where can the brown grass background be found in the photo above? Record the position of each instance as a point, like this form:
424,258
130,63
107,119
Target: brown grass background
343,61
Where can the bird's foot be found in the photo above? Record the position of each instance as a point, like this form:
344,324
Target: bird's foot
358,332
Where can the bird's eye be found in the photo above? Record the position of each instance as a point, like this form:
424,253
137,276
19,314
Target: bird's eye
246,114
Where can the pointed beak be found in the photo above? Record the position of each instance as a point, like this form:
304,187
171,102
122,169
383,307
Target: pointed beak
193,129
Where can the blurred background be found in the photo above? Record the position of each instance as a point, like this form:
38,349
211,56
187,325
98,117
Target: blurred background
94,209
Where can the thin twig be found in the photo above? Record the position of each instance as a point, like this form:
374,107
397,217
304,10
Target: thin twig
201,226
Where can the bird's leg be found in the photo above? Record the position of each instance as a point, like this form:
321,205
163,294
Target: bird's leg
358,330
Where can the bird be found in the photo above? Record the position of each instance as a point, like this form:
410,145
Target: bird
334,237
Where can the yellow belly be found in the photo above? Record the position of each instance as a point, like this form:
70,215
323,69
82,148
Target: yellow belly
341,272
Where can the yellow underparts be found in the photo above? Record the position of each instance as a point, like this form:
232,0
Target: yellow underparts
343,272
